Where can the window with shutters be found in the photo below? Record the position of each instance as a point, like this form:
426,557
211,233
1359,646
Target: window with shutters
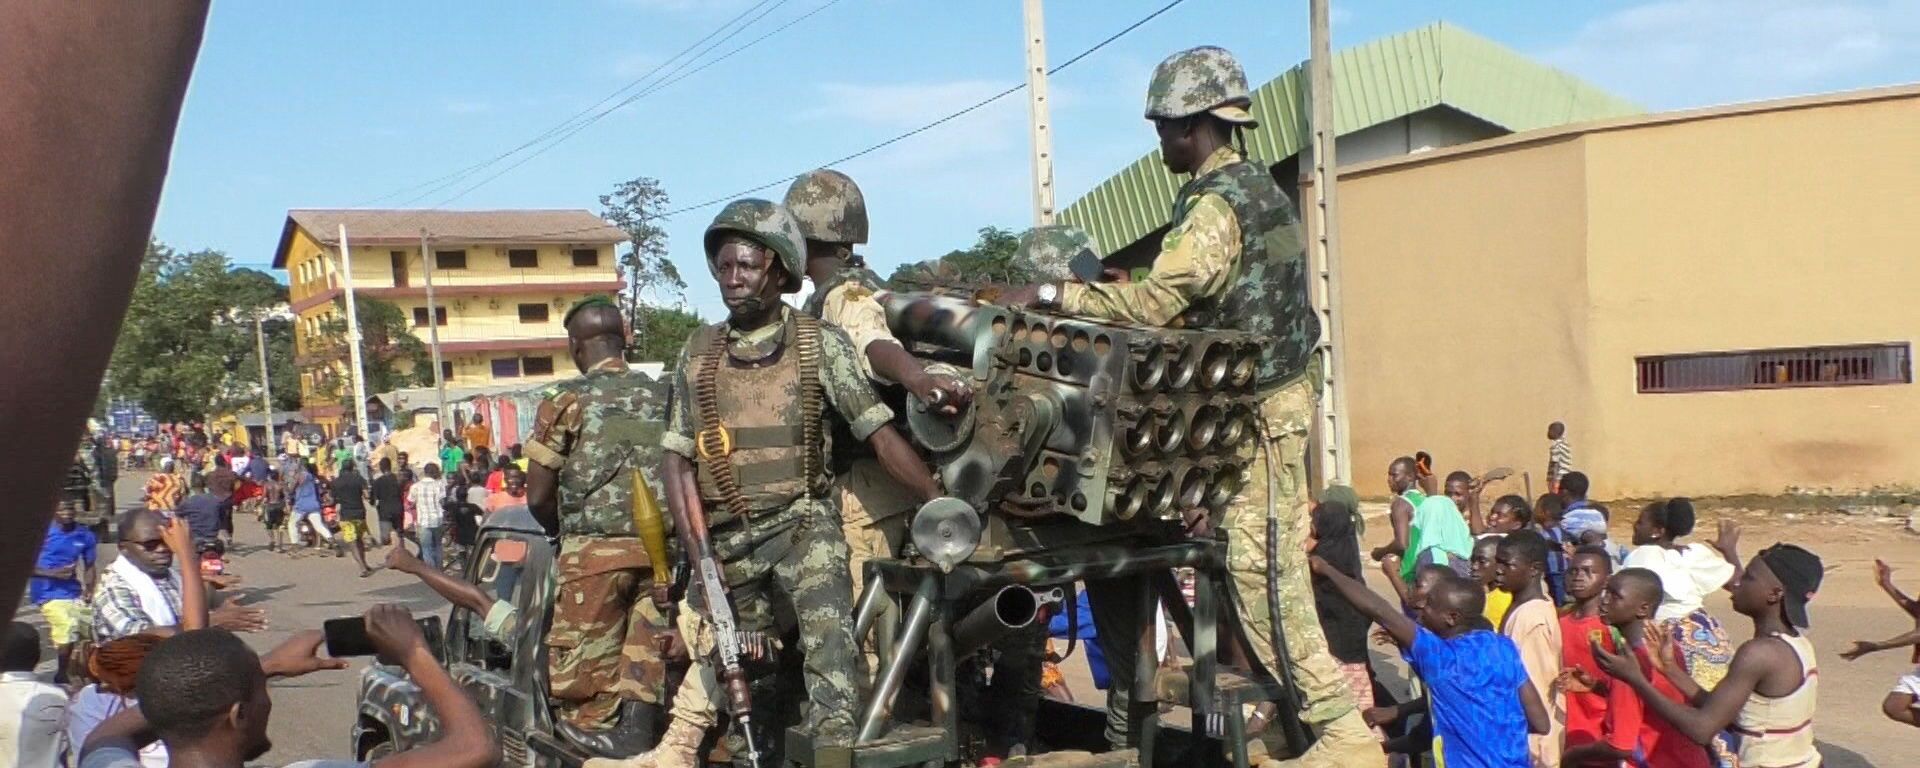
523,258
420,316
1787,368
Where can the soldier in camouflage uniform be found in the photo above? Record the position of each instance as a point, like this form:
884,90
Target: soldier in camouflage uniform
605,668
1233,259
833,216
747,449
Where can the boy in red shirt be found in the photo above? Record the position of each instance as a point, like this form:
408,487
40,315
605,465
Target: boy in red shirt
1581,625
1633,735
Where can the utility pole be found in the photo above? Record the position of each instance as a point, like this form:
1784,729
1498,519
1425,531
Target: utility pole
428,262
1336,461
266,387
353,336
1035,23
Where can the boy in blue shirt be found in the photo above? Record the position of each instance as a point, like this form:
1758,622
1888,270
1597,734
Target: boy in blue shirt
63,581
1482,705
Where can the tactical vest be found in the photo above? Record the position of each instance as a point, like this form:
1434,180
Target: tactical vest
843,448
1270,297
757,426
620,423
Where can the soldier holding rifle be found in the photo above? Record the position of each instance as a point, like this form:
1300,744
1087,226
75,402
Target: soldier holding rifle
747,483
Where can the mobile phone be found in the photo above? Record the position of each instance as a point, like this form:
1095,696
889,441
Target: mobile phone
1086,266
347,637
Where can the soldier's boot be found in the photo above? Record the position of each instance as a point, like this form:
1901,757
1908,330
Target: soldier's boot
679,748
1344,742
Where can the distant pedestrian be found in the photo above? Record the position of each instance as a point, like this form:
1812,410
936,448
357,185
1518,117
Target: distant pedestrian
274,504
388,500
477,434
349,491
63,579
428,494
1559,455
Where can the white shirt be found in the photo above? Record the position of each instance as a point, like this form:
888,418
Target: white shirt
1687,575
426,494
33,720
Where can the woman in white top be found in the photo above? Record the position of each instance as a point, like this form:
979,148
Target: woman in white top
1688,574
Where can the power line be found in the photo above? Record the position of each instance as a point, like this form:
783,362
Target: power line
929,126
650,90
455,176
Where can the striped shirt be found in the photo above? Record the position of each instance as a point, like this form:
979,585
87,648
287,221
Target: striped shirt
1559,462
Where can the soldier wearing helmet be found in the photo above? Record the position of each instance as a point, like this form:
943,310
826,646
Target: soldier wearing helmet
833,216
1232,258
747,444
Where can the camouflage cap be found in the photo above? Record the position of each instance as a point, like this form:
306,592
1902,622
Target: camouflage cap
1204,79
768,224
829,207
1046,251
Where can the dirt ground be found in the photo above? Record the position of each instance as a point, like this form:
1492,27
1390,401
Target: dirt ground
1849,726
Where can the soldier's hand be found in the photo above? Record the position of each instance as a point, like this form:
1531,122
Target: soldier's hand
946,395
1022,297
1199,522
1115,275
394,634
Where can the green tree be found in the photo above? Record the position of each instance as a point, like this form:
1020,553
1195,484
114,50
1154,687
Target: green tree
635,207
664,332
186,348
393,357
988,261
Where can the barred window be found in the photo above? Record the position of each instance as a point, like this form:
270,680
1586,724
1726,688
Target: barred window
1837,366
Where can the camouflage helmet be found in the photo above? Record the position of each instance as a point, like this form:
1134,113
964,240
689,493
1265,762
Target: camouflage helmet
1046,251
1204,79
829,207
768,224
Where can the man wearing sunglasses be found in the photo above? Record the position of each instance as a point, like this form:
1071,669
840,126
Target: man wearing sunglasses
141,590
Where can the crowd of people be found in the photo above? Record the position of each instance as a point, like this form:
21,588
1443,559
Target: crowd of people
1537,640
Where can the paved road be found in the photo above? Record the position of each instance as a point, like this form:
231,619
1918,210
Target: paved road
312,714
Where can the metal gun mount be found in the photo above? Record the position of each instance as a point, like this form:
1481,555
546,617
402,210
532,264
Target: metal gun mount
1109,425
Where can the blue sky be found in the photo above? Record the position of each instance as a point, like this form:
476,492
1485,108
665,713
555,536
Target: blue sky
325,104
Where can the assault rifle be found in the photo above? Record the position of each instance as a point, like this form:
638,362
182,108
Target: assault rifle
692,521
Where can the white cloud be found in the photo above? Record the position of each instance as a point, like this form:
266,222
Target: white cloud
1678,53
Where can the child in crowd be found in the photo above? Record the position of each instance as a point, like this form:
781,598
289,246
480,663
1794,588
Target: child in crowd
1498,600
1459,487
1408,719
1559,455
1547,513
1769,693
1509,513
1902,705
1581,625
1534,626
1481,703
1630,735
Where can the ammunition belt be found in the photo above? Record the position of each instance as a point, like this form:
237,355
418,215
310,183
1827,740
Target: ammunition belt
716,444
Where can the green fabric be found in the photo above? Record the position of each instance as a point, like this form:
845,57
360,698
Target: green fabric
1438,524
1414,497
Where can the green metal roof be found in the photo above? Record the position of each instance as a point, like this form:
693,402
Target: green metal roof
1384,80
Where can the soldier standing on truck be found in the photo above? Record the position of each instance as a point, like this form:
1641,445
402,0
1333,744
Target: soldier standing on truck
1233,259
606,671
873,508
747,440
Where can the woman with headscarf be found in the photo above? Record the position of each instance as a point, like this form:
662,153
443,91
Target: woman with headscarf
113,667
1335,539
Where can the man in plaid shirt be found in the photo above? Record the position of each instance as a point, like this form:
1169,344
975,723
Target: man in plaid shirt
141,592
427,494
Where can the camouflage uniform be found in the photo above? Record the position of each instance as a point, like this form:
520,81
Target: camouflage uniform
593,431
1233,259
783,555
830,209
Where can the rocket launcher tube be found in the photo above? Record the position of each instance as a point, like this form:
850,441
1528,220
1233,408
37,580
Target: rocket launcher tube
652,529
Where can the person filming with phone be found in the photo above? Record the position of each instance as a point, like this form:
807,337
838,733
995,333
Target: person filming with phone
204,693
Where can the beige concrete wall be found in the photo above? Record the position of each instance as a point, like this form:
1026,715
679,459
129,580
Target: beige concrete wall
1463,291
1785,228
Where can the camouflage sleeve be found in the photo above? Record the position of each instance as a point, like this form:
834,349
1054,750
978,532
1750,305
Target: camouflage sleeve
1197,258
853,307
555,426
847,386
678,436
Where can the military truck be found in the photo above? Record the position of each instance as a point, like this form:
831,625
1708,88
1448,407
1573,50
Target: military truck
512,561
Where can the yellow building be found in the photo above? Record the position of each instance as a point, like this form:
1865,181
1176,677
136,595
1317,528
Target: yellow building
1715,302
502,281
